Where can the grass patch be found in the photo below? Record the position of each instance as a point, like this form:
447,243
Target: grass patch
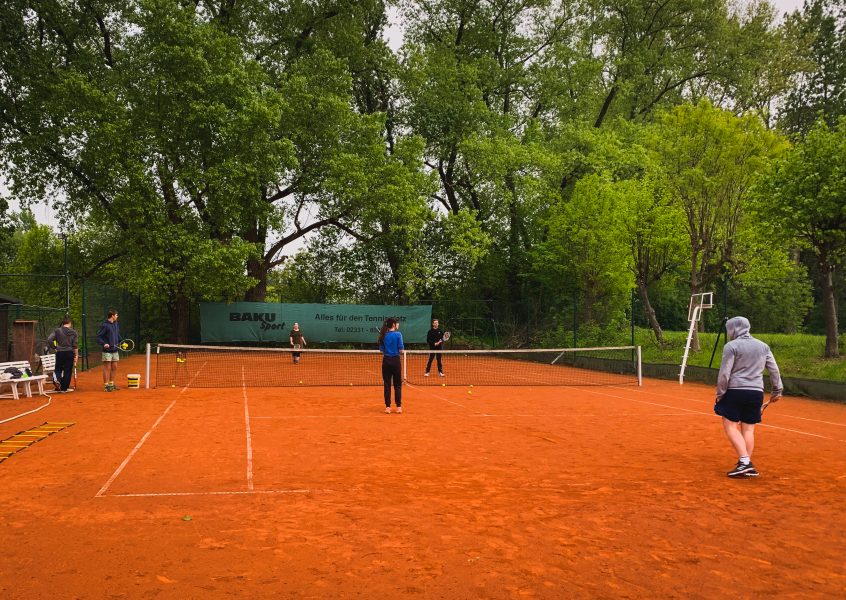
797,354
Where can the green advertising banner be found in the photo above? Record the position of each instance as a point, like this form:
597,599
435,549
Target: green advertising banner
272,322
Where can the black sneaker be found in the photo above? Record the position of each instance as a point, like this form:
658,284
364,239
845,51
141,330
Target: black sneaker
741,470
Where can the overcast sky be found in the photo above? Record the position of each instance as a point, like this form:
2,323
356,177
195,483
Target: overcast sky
44,214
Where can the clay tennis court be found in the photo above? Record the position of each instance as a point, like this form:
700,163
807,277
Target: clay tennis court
612,491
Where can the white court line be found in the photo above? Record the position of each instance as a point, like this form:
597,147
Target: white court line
477,415
249,437
781,414
134,451
234,493
710,415
436,395
143,439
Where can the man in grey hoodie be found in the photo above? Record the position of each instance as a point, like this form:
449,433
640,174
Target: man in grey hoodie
740,390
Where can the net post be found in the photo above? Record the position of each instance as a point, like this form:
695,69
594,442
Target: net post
404,366
639,368
147,375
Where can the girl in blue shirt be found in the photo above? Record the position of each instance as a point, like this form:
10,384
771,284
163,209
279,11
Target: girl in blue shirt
391,347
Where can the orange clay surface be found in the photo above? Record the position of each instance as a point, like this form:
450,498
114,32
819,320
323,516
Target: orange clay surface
570,492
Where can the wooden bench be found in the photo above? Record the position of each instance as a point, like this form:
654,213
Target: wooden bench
26,381
48,367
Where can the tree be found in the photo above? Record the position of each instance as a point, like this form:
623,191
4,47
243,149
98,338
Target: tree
586,247
803,197
474,82
710,160
202,137
820,88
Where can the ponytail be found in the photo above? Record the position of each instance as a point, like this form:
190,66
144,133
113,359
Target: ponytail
386,326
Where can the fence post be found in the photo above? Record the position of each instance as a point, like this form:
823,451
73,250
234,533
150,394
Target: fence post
632,317
84,330
575,318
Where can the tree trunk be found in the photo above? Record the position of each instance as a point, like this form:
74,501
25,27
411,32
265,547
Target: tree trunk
830,312
643,293
257,269
179,310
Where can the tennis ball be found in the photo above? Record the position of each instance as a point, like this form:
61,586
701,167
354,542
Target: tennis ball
300,381
443,385
172,385
186,518
469,391
471,385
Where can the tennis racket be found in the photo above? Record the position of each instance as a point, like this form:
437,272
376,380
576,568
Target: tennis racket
447,335
126,345
768,402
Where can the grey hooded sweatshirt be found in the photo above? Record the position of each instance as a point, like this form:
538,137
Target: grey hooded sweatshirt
744,361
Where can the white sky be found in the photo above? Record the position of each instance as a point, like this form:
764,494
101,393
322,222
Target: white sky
394,33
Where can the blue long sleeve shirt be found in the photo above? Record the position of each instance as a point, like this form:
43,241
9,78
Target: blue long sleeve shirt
392,344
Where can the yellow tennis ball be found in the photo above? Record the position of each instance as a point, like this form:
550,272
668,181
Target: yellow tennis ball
443,385
469,391
300,381
173,385
471,385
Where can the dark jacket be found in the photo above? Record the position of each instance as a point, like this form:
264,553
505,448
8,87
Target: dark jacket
435,335
109,333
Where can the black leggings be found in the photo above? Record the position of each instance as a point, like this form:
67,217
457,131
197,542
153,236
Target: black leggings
392,369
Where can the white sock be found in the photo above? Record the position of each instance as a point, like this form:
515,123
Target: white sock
744,460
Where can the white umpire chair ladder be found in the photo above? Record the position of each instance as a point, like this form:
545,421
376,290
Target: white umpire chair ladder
698,303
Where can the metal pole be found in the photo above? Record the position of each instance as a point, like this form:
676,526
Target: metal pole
67,276
147,377
632,319
84,331
575,319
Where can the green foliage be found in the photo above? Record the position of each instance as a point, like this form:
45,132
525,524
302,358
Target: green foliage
819,87
797,355
528,153
804,195
581,254
710,159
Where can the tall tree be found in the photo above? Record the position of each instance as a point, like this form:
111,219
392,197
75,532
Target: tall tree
804,197
474,88
710,160
820,88
207,136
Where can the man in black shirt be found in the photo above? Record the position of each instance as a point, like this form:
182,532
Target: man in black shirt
435,339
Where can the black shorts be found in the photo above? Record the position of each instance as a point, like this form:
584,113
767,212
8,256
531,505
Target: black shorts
741,405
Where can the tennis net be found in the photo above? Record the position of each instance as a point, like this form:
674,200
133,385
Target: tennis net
226,366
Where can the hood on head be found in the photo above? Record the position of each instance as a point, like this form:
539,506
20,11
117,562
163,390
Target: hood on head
737,327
